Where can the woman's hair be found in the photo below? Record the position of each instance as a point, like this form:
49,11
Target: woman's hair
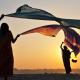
4,27
65,47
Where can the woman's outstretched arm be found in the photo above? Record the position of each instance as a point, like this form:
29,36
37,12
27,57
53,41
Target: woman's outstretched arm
14,39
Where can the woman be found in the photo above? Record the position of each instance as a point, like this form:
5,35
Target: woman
66,58
6,53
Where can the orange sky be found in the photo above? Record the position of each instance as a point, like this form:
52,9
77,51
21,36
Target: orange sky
36,51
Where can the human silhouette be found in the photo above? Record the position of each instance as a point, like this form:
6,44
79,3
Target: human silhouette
6,53
66,58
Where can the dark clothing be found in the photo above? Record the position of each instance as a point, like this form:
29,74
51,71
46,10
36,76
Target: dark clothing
66,60
6,55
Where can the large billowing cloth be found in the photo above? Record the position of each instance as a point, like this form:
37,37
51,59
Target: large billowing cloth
71,22
48,30
72,38
28,12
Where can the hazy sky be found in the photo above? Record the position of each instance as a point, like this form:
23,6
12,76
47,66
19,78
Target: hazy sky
36,50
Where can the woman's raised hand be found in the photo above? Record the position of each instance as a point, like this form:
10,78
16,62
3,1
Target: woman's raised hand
18,35
2,16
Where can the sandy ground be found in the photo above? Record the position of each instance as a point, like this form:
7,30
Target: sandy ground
46,77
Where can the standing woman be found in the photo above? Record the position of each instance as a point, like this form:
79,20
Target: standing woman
66,58
6,53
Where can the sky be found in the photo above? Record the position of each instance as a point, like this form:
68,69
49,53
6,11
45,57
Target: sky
36,51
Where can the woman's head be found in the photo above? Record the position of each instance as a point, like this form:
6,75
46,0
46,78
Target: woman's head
4,27
65,47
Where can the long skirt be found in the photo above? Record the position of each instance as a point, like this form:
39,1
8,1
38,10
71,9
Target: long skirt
6,63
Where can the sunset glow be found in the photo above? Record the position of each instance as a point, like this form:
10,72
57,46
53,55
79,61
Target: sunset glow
36,51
